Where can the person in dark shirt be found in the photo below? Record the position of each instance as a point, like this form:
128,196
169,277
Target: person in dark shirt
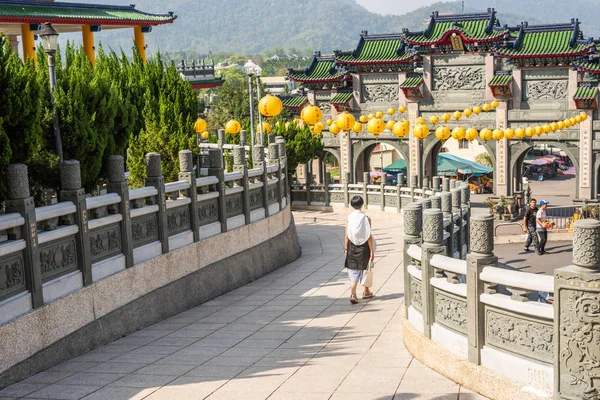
529,225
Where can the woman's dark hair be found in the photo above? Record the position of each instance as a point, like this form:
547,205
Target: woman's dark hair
357,202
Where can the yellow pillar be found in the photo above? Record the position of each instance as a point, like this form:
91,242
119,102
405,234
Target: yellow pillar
88,43
138,37
28,42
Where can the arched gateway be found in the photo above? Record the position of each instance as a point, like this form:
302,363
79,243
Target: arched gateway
458,62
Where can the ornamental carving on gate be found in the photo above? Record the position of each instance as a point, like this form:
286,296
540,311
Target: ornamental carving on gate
59,257
381,93
580,344
458,78
179,219
527,337
12,275
144,230
451,312
207,213
546,90
416,298
233,205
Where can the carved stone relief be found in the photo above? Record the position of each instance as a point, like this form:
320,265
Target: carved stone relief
318,197
458,78
381,93
105,243
374,199
178,220
416,298
256,199
545,90
208,212
391,201
144,230
379,78
336,197
450,312
272,194
12,276
471,59
59,258
233,205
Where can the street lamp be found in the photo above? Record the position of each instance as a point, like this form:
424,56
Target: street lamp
250,68
50,42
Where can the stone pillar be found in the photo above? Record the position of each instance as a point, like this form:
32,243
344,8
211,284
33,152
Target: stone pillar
481,255
458,239
436,184
414,182
413,225
346,156
274,160
398,197
326,183
118,184
452,184
436,202
239,165
284,171
577,317
154,177
308,182
414,164
502,173
517,85
425,204
243,137
446,200
258,161
366,181
586,158
216,169
346,193
465,196
21,202
221,138
382,190
445,184
433,236
400,179
425,183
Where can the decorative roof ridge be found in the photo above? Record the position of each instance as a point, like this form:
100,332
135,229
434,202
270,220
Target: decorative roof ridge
463,17
496,73
414,75
380,36
55,4
545,27
587,84
317,57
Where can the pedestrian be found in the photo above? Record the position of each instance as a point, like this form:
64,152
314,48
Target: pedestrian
529,225
542,225
359,247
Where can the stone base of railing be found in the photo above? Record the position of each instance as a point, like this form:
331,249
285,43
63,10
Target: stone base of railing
144,294
474,377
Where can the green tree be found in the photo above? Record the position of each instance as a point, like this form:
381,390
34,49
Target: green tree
301,145
484,159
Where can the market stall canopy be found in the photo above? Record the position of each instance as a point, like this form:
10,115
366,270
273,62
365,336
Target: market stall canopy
447,164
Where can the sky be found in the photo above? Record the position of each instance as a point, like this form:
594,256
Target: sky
394,7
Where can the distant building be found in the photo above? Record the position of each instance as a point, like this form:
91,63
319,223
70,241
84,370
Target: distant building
199,74
278,84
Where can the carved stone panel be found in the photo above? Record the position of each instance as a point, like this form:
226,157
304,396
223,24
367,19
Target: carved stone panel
144,230
374,199
459,59
370,79
450,311
529,337
458,78
208,212
382,93
545,90
317,197
391,201
256,199
178,220
336,197
233,205
57,259
105,243
416,298
12,276
272,194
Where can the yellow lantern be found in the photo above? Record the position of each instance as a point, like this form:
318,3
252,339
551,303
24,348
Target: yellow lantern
379,114
316,130
486,107
573,121
200,125
498,134
468,112
442,133
320,125
376,126
459,133
345,121
391,111
363,119
529,132
547,128
390,124
421,131
371,116
434,120
568,123
329,121
578,119
554,126
270,106
357,127
520,133
402,109
233,127
420,121
561,125
538,130
457,115
486,134
400,129
494,104
445,117
205,135
584,116
311,115
471,134
334,129
509,134
477,110
266,127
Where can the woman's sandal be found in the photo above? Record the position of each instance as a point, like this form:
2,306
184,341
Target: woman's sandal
353,299
367,295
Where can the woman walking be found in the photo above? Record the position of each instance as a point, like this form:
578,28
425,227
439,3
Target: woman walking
359,247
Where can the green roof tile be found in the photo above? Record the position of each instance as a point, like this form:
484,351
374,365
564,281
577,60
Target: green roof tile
591,67
412,82
342,98
294,101
501,80
19,11
585,93
376,49
321,69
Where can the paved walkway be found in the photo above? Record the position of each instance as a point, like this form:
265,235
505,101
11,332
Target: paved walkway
291,335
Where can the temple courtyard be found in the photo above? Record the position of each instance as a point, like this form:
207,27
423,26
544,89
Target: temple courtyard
290,335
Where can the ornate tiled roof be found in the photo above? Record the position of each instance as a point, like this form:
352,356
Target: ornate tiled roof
557,40
321,69
503,79
480,27
591,67
77,13
412,82
341,98
294,101
586,92
376,49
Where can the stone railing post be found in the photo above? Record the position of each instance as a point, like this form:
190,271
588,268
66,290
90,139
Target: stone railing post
436,184
366,180
284,172
216,169
243,138
382,190
445,184
436,202
154,177
118,184
414,182
326,183
239,165
346,182
71,190
21,202
482,255
221,138
576,317
274,160
452,184
398,198
186,173
433,237
465,198
446,200
457,217
425,204
413,225
308,179
258,161
400,179
425,184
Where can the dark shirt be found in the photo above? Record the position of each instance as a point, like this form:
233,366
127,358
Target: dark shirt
530,215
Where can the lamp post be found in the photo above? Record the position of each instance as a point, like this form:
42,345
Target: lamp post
257,72
50,41
250,68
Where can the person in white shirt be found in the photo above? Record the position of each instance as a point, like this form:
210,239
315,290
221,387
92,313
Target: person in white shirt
359,247
540,220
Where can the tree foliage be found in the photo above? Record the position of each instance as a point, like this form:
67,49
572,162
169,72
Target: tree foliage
484,159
